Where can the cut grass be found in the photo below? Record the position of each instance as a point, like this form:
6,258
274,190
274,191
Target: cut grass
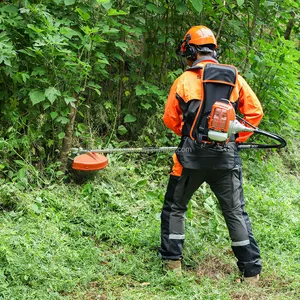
100,240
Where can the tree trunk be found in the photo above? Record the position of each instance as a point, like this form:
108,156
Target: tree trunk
164,55
67,141
121,72
289,26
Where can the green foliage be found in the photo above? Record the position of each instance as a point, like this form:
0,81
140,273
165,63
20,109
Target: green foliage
274,73
58,62
7,50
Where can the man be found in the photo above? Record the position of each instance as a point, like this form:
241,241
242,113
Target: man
200,159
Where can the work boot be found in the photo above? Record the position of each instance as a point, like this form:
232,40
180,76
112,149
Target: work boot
172,265
252,280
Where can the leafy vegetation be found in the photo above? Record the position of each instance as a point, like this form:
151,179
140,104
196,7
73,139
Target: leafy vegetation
88,73
94,73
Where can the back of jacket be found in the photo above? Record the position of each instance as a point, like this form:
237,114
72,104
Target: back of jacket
185,96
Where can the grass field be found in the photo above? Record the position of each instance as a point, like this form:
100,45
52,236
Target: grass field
99,240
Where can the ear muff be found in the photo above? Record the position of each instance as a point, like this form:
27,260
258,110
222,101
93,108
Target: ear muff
187,50
190,51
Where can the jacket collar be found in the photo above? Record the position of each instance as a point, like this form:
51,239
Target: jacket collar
206,59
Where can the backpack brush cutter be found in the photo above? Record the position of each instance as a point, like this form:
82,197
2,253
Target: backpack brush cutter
222,124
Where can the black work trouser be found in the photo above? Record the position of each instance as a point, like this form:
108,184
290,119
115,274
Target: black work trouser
227,186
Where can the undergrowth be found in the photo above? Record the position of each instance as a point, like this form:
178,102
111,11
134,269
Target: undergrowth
100,240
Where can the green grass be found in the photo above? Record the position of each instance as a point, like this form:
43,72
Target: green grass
100,240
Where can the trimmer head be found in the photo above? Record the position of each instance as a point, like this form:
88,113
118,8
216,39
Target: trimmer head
85,166
89,161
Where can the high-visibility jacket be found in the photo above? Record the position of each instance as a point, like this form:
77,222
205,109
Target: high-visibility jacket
187,87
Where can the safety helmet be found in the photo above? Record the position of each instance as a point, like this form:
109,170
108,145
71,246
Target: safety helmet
197,39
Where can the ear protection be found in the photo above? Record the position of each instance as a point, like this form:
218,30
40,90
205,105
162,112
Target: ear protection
189,51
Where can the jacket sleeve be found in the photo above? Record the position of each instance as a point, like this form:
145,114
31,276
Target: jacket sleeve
173,113
250,107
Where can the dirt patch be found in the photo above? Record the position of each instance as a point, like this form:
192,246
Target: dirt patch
92,293
249,296
214,268
275,286
238,296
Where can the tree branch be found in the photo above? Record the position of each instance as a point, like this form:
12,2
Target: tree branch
221,23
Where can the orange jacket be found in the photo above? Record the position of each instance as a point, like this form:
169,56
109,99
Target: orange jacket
188,87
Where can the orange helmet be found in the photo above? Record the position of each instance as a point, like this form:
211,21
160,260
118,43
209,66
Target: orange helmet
201,37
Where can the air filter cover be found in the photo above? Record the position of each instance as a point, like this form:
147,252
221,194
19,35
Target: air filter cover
90,161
